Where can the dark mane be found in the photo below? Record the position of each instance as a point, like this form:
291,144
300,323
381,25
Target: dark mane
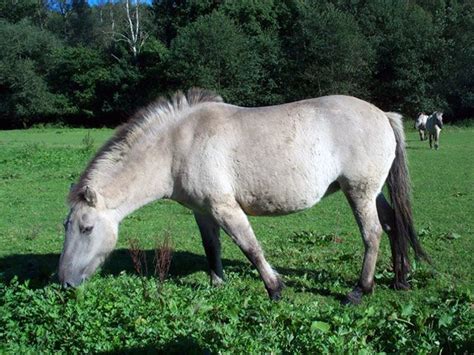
148,120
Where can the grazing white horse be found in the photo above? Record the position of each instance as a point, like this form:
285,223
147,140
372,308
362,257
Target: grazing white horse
434,124
226,162
420,125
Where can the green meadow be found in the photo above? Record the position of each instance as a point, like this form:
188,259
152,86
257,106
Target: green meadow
318,252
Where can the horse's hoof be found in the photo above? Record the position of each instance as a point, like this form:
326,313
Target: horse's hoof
216,281
275,293
401,286
354,297
275,296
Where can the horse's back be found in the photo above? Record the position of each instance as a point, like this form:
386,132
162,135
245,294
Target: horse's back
280,159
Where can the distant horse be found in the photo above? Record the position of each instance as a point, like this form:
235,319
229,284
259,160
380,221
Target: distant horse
434,124
420,125
226,162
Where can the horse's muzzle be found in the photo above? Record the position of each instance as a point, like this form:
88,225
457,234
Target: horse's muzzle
69,279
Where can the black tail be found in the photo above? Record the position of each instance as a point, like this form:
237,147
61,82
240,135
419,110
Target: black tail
398,182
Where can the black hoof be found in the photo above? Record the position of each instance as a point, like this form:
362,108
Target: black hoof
275,293
354,297
400,285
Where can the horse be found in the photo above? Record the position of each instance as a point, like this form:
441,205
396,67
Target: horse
434,124
226,162
420,125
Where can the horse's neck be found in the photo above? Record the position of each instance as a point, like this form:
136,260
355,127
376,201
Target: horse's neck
144,176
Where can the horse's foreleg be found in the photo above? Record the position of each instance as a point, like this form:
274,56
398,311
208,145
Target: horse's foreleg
436,139
422,135
365,212
210,240
431,140
234,221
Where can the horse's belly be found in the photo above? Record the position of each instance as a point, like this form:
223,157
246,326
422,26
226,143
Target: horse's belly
279,195
274,205
291,181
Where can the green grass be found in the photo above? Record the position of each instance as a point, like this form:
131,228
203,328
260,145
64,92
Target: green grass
318,252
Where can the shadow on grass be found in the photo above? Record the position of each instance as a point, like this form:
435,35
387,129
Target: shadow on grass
411,147
40,270
179,345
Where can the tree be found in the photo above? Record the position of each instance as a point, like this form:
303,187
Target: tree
457,80
14,11
410,51
258,20
328,53
25,95
127,24
213,53
74,21
171,15
78,71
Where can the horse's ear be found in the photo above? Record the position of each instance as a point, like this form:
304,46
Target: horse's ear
90,196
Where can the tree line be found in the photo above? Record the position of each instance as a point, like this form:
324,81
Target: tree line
66,61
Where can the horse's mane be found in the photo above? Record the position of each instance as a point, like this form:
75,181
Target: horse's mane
149,120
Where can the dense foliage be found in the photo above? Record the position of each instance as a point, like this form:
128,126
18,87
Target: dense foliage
66,60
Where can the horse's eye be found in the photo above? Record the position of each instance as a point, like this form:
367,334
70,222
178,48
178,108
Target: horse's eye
86,230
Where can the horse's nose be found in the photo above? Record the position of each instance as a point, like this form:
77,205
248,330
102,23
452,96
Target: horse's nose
71,283
66,284
68,279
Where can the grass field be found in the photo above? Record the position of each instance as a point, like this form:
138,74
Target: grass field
318,252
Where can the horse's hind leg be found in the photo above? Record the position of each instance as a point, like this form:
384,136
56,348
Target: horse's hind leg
400,262
210,240
233,220
365,211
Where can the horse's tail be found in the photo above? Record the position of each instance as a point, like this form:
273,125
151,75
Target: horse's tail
398,182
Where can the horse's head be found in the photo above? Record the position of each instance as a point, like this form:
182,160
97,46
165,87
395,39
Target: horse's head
91,234
420,120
